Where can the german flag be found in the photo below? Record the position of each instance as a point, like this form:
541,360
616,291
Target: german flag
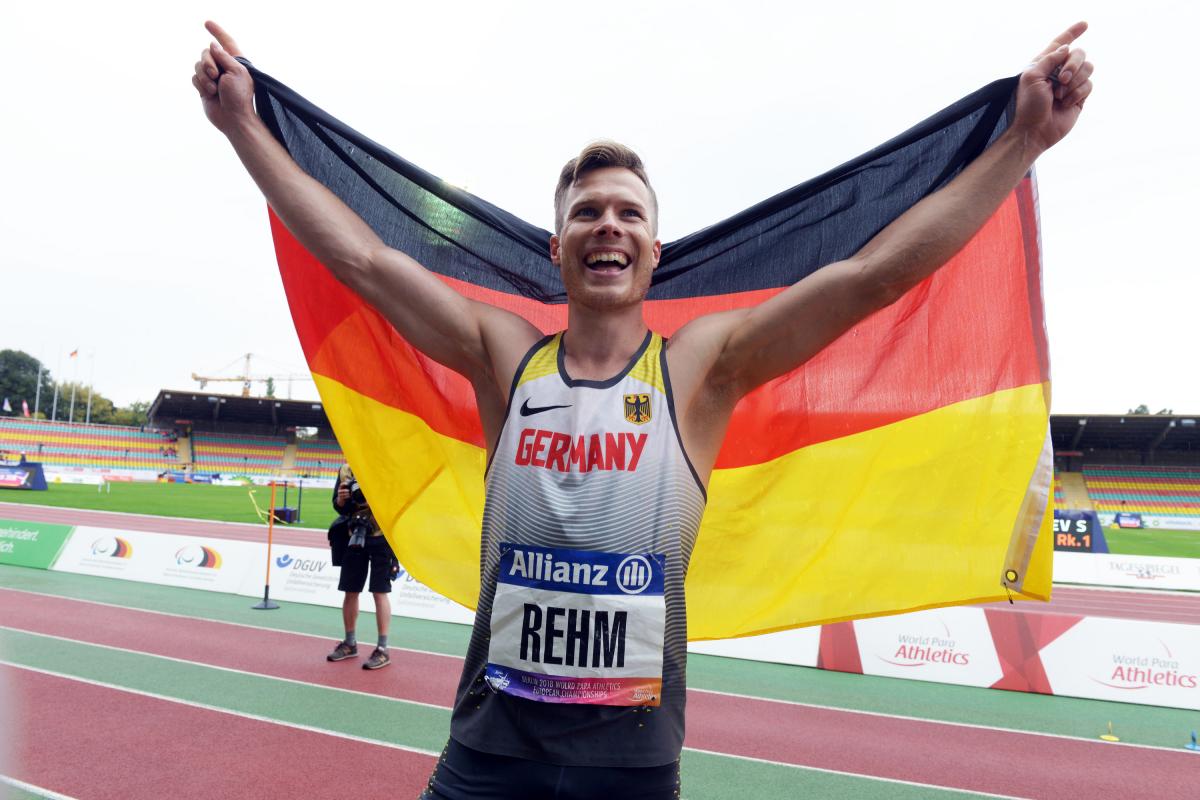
907,466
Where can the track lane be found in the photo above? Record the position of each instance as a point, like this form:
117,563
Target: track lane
788,733
1154,606
124,745
423,678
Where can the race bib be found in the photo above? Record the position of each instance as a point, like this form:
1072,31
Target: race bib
576,626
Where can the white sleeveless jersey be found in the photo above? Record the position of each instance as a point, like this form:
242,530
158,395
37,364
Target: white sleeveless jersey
578,653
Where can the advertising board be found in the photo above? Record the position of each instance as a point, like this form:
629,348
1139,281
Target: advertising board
26,475
31,544
1130,661
214,564
307,575
947,645
1134,572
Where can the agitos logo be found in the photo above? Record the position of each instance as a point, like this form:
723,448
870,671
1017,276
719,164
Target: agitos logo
113,546
195,555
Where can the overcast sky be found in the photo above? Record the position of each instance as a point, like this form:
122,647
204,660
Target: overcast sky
131,232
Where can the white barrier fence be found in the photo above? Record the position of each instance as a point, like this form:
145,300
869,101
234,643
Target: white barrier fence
1152,663
1157,521
1134,572
298,574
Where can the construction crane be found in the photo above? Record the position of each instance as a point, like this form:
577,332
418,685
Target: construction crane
246,378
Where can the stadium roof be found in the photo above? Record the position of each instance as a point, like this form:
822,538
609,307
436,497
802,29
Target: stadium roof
174,405
1071,433
1145,433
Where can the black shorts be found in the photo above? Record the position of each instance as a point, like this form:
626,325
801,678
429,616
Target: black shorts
466,774
378,555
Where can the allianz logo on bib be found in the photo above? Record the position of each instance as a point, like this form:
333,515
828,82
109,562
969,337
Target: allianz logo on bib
542,567
581,570
634,574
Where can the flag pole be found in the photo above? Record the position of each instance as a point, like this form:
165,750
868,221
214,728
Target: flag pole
74,385
267,603
54,411
91,382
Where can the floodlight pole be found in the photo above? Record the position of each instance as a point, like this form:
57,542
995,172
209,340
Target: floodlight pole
267,603
37,395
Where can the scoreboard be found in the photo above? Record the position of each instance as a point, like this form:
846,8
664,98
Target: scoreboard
1079,531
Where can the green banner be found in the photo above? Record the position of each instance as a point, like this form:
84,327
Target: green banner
31,544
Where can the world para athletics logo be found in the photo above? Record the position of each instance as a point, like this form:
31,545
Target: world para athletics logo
112,546
195,555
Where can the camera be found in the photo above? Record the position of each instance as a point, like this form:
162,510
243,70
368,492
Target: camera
356,494
360,528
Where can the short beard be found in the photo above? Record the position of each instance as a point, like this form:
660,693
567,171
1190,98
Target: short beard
579,293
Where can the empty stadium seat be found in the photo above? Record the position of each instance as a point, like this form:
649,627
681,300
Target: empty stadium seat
90,446
1172,491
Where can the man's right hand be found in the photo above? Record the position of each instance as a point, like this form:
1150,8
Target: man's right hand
225,86
481,342
343,494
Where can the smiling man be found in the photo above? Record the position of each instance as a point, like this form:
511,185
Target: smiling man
603,436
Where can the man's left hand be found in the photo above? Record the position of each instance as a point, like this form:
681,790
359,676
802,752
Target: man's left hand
1053,89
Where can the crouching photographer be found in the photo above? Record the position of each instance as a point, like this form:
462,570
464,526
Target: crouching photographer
359,548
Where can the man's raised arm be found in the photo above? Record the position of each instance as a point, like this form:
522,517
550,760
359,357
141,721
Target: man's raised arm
750,347
471,338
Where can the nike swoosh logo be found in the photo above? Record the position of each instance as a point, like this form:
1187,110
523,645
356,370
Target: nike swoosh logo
528,410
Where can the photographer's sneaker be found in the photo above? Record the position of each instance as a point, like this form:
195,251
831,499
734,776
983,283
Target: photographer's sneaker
378,660
342,652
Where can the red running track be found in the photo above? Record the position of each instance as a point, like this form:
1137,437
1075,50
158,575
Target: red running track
1158,606
297,537
124,745
1001,762
425,678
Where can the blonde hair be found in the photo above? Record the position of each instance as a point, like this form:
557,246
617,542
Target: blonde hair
598,155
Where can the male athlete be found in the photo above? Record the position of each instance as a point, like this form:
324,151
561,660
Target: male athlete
573,685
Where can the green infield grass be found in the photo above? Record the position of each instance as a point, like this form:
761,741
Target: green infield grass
1148,542
194,500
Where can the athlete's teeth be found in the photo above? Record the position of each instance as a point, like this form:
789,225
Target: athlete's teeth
613,258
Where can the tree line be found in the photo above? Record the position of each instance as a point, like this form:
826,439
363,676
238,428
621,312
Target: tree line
19,385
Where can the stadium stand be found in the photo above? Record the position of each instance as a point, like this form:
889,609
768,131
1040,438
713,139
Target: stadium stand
239,454
1070,492
187,431
318,458
1145,490
66,444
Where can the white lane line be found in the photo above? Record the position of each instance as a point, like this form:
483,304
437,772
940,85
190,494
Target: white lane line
231,670
206,707
948,723
691,690
826,771
35,790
